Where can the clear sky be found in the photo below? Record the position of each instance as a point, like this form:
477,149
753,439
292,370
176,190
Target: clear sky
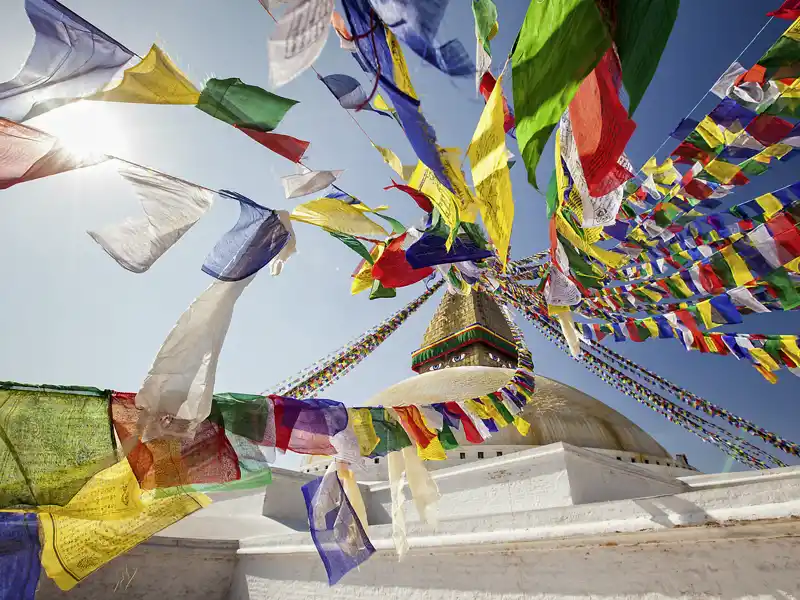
71,315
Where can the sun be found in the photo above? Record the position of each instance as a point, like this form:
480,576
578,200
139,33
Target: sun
85,127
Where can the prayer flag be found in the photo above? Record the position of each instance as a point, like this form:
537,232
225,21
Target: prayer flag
154,80
27,154
298,39
171,207
308,426
176,395
308,182
19,556
430,251
349,93
558,46
337,215
415,22
242,105
790,9
488,158
425,180
361,422
288,147
393,270
421,199
391,435
641,31
70,59
485,13
54,441
487,86
414,425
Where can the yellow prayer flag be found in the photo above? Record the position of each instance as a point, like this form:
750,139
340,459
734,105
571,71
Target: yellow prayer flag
434,451
492,411
607,257
722,170
73,548
381,104
361,420
675,278
775,151
770,377
155,80
704,310
651,325
488,157
710,132
794,31
363,279
522,425
764,359
402,79
741,273
467,203
337,215
770,204
790,347
424,180
391,159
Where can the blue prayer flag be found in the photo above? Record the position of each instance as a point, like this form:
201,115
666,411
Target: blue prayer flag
349,93
19,556
254,241
684,128
429,251
70,59
338,534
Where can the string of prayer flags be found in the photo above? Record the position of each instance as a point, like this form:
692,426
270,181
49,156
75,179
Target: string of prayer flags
27,154
790,9
336,530
337,215
207,458
393,270
486,27
154,80
310,426
641,31
288,147
349,93
415,23
70,59
55,439
298,39
308,182
73,547
381,56
243,106
171,207
19,556
488,157
176,395
257,238
558,46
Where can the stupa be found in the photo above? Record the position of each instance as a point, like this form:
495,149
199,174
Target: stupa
586,505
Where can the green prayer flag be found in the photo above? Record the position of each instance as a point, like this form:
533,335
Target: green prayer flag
501,408
641,32
52,441
242,105
485,13
552,195
753,168
391,434
559,44
446,437
352,243
782,60
397,226
785,288
244,415
378,291
722,270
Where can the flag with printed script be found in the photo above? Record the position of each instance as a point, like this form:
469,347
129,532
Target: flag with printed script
154,80
335,528
19,556
171,207
308,426
558,46
416,22
242,105
254,241
27,154
298,39
336,215
70,59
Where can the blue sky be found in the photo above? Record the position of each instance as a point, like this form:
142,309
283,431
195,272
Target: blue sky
71,315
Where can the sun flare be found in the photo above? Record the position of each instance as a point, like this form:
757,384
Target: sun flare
86,127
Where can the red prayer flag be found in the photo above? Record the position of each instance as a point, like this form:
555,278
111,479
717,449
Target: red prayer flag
789,10
769,130
27,154
709,280
470,431
412,422
421,199
688,154
392,268
756,74
784,232
486,87
697,189
601,127
288,147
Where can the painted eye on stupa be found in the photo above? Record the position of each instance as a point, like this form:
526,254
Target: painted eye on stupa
458,358
436,367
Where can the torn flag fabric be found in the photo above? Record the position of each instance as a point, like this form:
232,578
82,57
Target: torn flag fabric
171,207
70,59
254,241
298,39
27,154
337,532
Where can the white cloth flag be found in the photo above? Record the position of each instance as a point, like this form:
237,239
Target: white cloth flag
483,60
307,183
171,207
290,248
598,211
724,84
570,334
560,290
298,39
744,297
176,394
